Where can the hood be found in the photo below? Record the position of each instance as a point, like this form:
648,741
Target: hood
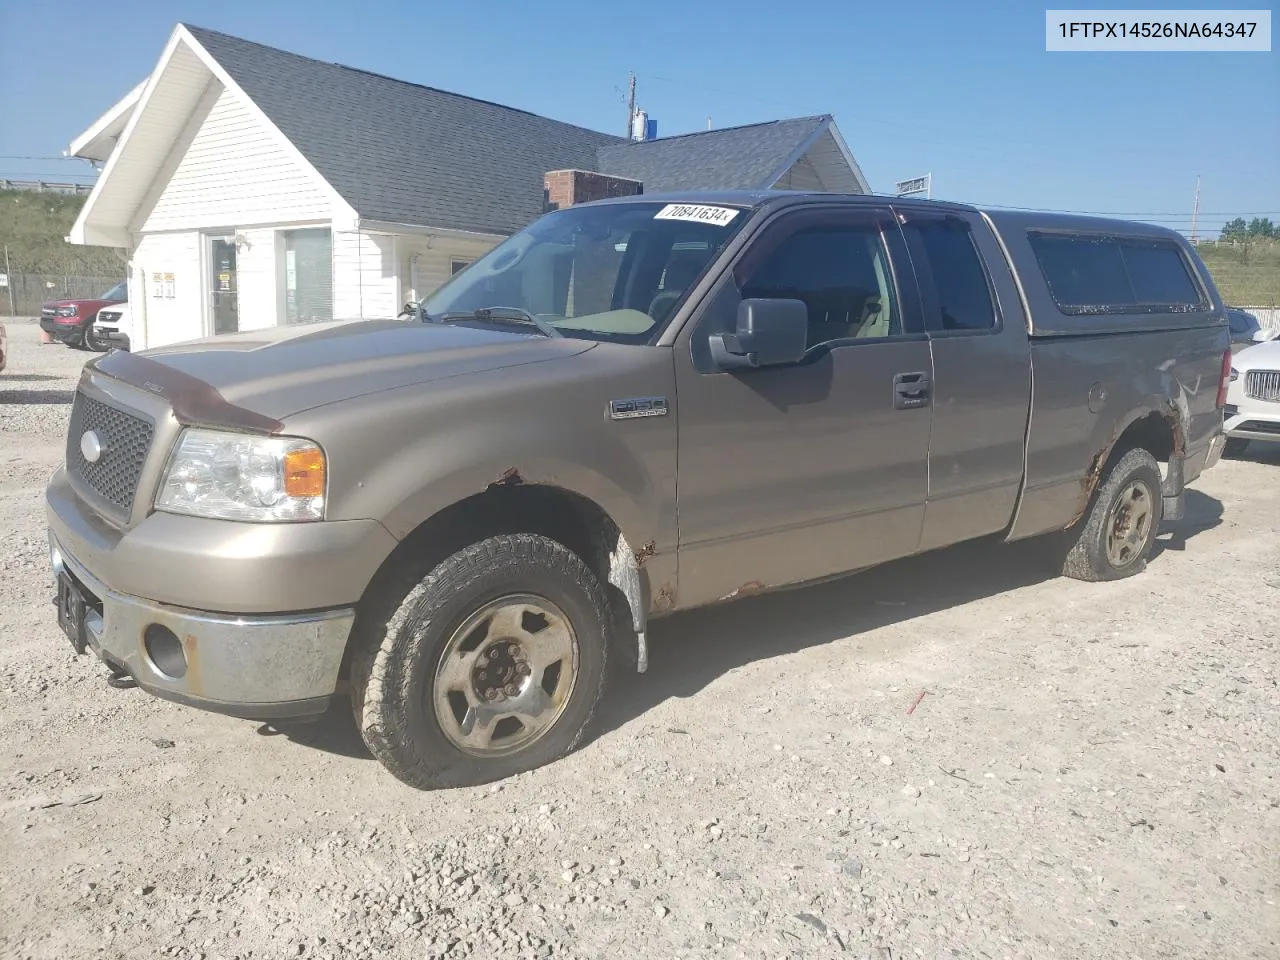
284,370
91,302
1260,356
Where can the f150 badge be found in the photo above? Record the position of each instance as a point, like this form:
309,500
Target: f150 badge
633,407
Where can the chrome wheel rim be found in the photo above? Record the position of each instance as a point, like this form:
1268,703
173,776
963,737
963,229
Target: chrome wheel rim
1129,524
505,676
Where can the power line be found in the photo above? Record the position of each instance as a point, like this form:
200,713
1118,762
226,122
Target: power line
24,157
1178,214
950,142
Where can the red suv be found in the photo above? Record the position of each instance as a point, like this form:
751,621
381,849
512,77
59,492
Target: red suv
71,321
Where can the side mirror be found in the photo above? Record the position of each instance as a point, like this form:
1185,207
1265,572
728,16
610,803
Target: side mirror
768,333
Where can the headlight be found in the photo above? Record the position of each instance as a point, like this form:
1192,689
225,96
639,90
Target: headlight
238,476
1235,375
68,311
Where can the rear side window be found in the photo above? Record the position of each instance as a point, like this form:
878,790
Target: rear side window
1098,274
959,280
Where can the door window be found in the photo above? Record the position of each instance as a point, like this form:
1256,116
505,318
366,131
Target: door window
223,307
959,291
842,275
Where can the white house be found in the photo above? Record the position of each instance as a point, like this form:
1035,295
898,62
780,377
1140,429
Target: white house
254,187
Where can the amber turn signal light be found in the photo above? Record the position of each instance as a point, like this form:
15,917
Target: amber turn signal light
304,472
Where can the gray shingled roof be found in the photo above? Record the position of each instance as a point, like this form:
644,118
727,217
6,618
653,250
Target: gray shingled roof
733,158
405,153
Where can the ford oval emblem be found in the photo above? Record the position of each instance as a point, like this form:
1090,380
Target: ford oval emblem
90,446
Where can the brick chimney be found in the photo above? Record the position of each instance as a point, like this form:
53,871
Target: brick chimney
564,188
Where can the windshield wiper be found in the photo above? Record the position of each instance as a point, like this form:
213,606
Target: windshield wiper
497,314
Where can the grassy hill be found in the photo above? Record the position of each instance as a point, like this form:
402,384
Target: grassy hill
1247,274
33,226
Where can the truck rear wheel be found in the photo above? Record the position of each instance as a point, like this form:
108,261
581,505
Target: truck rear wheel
490,666
1115,536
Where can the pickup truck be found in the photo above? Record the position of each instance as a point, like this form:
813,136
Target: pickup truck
72,321
464,523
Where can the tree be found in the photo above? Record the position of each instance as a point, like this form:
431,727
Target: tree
1235,229
1262,227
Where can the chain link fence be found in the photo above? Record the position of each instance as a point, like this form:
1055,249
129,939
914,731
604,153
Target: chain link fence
25,292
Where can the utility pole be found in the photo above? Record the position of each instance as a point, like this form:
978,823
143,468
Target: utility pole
1195,210
708,121
8,277
631,106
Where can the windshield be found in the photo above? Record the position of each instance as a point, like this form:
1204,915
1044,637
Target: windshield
611,272
119,292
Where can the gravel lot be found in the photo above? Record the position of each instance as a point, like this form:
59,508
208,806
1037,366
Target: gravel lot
1092,772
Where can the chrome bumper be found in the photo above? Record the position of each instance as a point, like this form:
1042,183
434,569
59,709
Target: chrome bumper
259,667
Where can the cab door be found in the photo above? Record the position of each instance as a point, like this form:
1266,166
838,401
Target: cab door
795,472
982,375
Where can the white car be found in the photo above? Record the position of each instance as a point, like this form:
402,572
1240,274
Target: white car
1253,397
111,328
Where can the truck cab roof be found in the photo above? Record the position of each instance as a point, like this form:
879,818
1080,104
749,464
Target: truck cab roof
1002,218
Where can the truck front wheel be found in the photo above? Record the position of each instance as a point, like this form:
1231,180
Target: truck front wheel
491,665
1115,536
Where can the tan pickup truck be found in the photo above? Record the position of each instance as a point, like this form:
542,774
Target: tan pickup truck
630,408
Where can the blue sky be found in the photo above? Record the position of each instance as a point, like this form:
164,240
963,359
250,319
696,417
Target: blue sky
964,91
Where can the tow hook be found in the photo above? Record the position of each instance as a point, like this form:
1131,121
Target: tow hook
120,679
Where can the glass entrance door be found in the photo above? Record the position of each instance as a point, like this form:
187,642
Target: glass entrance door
223,307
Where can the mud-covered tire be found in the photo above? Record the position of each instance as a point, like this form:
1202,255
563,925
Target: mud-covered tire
401,640
1085,554
1235,446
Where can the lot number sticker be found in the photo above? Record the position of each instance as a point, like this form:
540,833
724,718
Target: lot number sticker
717,216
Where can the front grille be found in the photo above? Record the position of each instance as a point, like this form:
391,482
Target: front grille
108,316
1262,385
47,311
124,438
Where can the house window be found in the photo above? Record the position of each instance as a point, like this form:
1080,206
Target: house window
308,275
457,266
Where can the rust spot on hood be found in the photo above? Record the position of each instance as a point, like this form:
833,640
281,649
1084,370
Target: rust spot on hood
664,599
645,552
194,402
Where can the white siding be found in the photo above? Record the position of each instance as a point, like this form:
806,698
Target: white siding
425,261
823,168
365,285
236,173
802,176
159,320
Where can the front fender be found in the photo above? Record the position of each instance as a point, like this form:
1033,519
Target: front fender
403,456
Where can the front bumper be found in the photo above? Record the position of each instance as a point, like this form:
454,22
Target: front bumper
66,330
246,568
258,667
1247,418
